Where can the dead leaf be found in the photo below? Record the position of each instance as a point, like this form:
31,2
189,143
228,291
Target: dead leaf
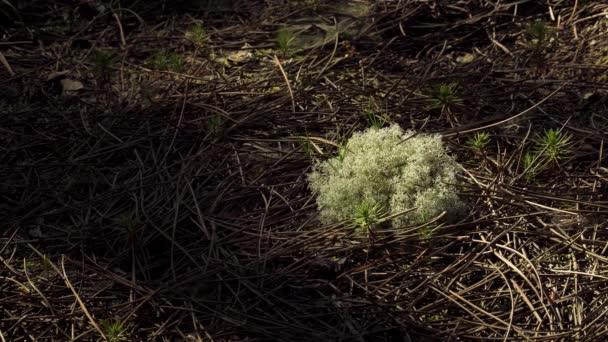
68,85
241,56
466,58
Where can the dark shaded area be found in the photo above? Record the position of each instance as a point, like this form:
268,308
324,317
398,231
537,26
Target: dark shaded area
162,181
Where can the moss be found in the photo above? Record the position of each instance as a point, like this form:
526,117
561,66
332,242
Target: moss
397,170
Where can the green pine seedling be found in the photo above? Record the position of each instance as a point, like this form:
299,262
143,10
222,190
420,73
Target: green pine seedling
148,94
214,124
47,264
444,97
103,62
307,148
159,60
197,34
554,145
539,39
367,214
529,164
428,232
342,153
167,61
374,120
127,226
479,142
176,63
538,35
115,330
342,135
285,39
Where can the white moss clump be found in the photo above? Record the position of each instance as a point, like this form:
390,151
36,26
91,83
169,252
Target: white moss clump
390,168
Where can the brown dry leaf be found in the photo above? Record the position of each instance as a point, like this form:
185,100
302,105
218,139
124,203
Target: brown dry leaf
466,58
68,85
241,56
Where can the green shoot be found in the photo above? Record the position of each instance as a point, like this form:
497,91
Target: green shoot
342,135
374,120
539,38
168,61
308,148
285,40
115,330
127,226
538,34
428,232
444,97
176,63
529,164
47,264
158,60
554,145
148,94
197,34
342,152
478,142
103,62
367,214
214,124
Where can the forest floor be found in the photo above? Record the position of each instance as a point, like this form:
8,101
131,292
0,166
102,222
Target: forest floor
153,162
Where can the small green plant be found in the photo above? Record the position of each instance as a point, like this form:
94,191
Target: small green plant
529,165
367,214
44,265
285,39
148,94
340,156
168,61
554,145
342,135
410,177
115,330
539,40
214,124
374,120
127,226
550,148
308,148
428,232
47,264
444,96
197,34
159,60
479,142
103,61
176,63
538,35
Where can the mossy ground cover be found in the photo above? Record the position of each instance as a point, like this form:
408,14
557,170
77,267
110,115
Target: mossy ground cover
154,159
